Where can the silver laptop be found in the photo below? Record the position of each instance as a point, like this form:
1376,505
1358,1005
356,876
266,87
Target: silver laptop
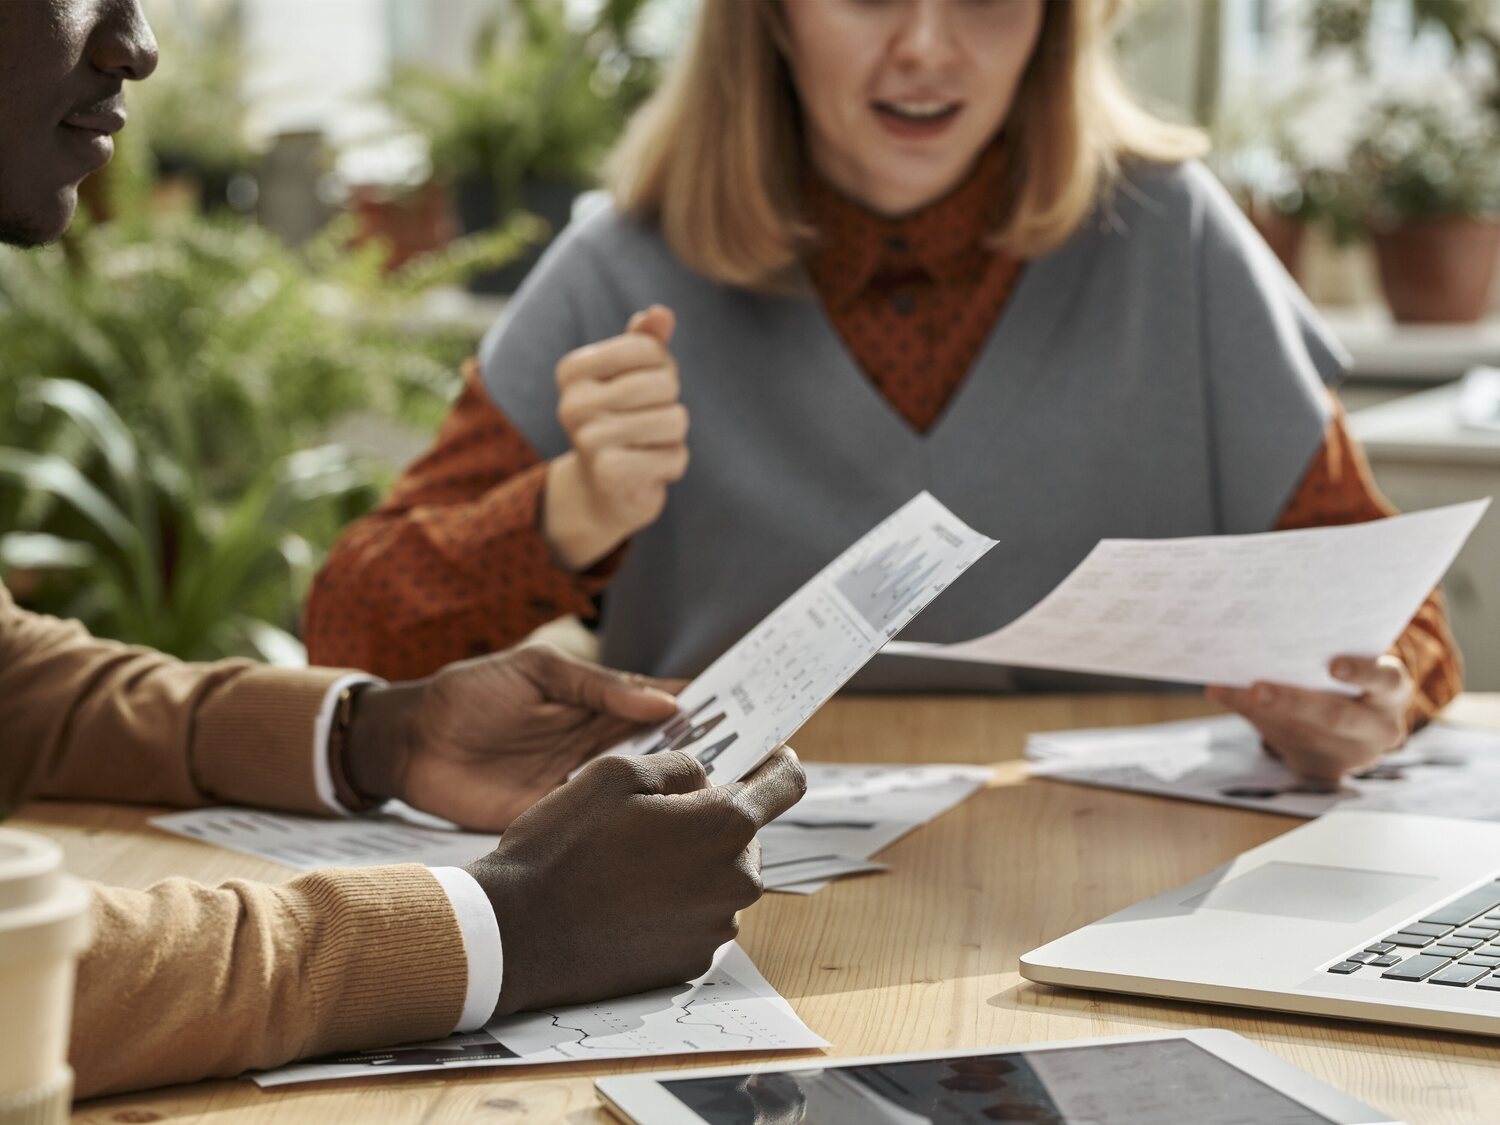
1363,915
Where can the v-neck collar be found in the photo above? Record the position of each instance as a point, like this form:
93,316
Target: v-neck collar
1021,335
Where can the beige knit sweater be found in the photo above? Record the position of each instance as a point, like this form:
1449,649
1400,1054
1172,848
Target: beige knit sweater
185,981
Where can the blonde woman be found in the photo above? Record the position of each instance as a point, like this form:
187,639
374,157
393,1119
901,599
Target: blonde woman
866,247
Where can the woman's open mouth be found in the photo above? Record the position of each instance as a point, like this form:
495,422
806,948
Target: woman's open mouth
916,118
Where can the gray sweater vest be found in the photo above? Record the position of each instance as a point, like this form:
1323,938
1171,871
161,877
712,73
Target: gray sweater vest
1158,375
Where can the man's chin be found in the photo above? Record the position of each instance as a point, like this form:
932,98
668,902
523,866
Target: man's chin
39,224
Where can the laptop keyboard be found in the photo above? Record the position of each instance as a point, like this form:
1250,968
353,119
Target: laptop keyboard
1455,944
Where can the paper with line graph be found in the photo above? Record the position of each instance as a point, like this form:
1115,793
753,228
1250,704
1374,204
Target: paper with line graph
729,1008
755,696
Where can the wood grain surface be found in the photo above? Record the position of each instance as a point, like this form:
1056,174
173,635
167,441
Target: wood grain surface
921,957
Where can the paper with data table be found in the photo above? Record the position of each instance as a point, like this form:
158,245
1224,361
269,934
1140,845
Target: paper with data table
850,812
1232,609
755,696
1443,770
729,1008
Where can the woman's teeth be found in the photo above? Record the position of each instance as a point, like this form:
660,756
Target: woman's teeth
919,111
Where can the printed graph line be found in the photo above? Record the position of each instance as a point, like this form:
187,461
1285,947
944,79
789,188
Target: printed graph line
583,1035
683,1021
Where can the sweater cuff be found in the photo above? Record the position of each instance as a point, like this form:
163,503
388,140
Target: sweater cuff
253,742
385,960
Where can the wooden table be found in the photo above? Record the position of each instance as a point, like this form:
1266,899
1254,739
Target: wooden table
919,958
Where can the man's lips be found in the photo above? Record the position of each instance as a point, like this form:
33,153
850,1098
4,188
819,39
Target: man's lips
105,121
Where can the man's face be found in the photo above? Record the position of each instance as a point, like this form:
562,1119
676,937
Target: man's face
63,64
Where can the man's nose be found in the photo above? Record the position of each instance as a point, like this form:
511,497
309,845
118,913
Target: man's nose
122,44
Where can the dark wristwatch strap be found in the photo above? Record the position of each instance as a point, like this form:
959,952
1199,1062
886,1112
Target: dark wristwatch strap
338,751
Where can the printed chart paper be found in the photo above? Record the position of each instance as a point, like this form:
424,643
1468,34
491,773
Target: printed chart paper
397,834
755,696
729,1008
851,812
1443,770
1232,609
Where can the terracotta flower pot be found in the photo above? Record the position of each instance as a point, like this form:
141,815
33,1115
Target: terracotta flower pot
411,223
1438,271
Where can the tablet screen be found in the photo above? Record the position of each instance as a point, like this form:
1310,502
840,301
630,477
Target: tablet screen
1142,1083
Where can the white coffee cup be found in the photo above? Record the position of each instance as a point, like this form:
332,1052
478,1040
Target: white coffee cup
44,926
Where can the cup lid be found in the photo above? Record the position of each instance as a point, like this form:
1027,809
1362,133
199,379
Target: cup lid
29,865
43,911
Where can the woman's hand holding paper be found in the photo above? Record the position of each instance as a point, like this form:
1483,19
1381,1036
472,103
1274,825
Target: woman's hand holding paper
1323,735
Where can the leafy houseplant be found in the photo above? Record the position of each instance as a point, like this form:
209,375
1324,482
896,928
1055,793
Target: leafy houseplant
529,125
1410,161
153,367
1432,184
145,555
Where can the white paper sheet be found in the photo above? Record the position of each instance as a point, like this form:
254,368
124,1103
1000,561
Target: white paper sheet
850,813
1443,770
397,834
755,696
729,1008
854,811
1232,609
791,866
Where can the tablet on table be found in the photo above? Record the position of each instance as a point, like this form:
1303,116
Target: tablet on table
1202,1077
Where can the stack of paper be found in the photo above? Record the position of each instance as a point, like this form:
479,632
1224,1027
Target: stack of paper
1443,770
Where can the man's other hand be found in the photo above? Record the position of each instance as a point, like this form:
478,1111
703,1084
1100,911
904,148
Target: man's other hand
628,878
483,740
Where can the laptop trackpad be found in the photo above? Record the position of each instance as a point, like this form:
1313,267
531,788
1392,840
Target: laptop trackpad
1306,890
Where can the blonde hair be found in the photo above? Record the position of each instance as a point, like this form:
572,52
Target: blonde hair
713,158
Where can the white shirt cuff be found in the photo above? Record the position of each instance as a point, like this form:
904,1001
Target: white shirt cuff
322,767
481,931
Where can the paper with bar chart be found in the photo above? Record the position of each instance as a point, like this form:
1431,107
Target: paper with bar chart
728,1008
1232,609
755,696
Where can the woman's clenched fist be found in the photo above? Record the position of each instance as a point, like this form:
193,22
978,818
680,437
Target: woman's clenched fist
618,403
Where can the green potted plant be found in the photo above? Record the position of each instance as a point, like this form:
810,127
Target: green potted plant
1286,178
527,127
1430,178
1421,174
1368,147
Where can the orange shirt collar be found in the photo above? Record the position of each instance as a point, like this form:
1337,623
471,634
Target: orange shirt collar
945,239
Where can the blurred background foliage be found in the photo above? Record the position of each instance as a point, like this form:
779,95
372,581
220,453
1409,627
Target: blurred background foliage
167,382
546,96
